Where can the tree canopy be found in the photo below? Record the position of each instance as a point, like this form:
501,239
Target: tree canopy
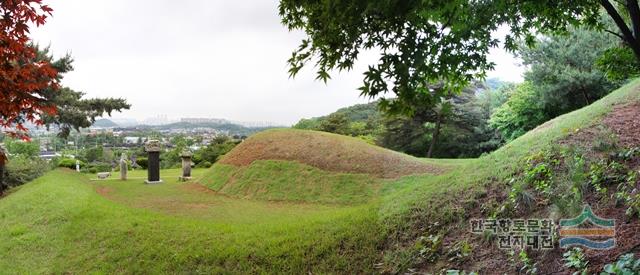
26,81
72,111
424,42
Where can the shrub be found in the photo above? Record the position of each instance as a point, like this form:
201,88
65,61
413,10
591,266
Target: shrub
142,162
69,163
204,164
626,264
20,170
100,166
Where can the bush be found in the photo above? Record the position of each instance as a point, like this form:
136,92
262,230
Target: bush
142,162
20,170
69,163
100,166
204,164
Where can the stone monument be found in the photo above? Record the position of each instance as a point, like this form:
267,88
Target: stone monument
186,165
123,166
152,147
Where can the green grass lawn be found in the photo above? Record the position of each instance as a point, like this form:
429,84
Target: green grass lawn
59,224
64,222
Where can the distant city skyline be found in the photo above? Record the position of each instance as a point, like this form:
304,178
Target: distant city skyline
217,59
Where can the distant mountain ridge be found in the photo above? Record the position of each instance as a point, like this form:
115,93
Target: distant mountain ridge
104,123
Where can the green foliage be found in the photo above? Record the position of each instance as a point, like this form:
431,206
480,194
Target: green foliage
562,72
420,42
24,148
94,154
429,248
606,172
618,64
464,131
521,113
72,110
335,123
142,162
538,171
308,124
357,120
212,152
528,265
204,164
459,252
626,264
70,163
22,169
575,259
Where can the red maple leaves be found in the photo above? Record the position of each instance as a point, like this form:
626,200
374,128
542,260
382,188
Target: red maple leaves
25,79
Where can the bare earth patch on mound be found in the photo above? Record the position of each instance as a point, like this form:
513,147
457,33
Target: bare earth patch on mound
328,152
623,121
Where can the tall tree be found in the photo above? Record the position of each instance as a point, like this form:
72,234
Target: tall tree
72,111
424,42
563,72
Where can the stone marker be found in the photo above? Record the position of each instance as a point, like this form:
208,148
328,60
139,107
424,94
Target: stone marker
153,170
103,175
186,166
123,166
77,166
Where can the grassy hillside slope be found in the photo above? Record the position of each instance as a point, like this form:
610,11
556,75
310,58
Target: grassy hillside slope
368,221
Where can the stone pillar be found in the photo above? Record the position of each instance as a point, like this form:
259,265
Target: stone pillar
123,166
186,165
153,170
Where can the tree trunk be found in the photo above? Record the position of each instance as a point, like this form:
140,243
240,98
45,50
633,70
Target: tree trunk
627,34
434,136
584,95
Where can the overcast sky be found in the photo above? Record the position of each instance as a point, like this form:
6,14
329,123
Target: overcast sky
200,58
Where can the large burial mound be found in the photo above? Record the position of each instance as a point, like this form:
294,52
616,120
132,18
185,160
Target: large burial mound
299,165
329,152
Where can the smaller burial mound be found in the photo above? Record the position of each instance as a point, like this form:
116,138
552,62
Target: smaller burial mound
329,152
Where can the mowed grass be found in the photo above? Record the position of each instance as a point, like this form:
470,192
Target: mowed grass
192,200
59,223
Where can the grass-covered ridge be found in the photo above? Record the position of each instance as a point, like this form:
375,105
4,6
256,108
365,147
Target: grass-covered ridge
65,223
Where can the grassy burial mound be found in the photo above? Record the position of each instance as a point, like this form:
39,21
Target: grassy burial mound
311,166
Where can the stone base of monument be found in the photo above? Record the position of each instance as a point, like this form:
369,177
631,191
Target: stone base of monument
152,182
184,178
